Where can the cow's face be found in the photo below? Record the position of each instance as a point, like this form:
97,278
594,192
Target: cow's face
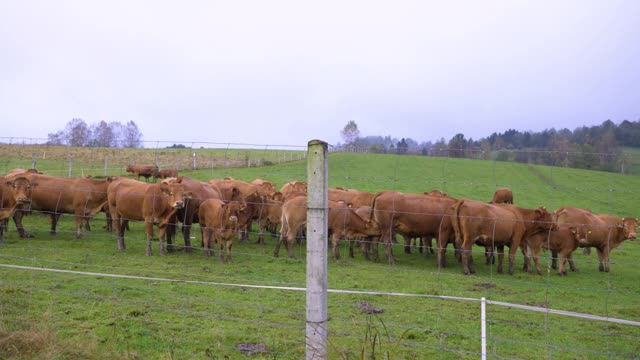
580,234
629,226
234,209
176,194
21,189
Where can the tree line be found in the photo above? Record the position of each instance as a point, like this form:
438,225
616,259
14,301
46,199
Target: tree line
101,134
596,147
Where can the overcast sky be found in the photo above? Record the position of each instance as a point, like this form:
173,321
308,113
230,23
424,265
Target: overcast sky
286,72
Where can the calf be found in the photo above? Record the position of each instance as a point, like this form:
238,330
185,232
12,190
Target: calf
496,225
219,224
155,204
606,232
562,242
342,222
13,193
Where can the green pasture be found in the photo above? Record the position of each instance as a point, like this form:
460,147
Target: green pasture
199,315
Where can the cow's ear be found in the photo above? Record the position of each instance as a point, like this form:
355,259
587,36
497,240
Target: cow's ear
243,206
224,205
188,194
235,193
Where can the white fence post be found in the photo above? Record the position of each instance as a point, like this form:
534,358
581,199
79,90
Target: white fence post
70,164
483,326
106,165
317,220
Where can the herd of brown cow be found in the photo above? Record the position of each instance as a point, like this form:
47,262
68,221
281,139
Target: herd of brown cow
226,209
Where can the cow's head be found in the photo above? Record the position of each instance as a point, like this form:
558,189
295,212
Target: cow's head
580,234
545,221
129,168
21,189
629,226
232,211
176,194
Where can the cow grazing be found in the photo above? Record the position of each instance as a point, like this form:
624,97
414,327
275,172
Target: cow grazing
502,196
562,243
496,225
155,204
82,197
146,171
165,174
13,192
606,232
343,223
219,224
410,215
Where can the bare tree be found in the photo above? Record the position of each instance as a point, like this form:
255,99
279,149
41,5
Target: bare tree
350,132
132,136
103,135
77,132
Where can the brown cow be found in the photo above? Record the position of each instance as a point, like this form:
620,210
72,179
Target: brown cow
82,197
143,170
219,224
502,196
166,173
155,204
188,215
271,215
17,171
343,223
496,225
293,186
266,187
13,192
606,232
351,197
251,194
410,215
562,242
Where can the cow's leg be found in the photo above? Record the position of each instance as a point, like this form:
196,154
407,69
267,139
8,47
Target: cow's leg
467,261
500,249
571,264
586,251
109,221
170,231
229,246
80,221
291,241
148,226
562,270
536,259
554,259
527,252
120,225
441,244
334,245
407,244
351,245
186,234
206,235
512,257
54,222
162,233
388,250
600,259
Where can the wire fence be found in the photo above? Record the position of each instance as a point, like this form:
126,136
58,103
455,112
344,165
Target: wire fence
185,305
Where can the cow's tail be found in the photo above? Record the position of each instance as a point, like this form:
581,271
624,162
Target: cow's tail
373,206
455,222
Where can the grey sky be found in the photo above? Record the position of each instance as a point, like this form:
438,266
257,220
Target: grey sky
285,72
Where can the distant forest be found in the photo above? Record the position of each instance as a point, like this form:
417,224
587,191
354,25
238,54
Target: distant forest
596,147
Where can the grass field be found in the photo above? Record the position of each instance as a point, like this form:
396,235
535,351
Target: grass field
70,316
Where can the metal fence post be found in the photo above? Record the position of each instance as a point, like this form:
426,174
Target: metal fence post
317,220
33,160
